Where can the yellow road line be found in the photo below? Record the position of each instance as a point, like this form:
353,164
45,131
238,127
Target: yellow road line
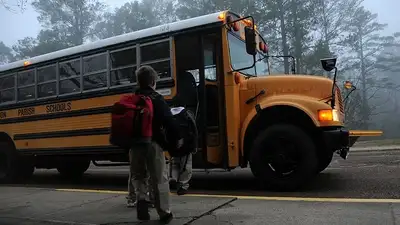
303,199
93,191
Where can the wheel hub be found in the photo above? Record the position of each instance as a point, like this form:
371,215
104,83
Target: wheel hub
282,157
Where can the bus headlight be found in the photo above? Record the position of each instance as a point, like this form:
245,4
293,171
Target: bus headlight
328,115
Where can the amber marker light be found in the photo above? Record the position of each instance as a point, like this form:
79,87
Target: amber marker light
328,115
27,63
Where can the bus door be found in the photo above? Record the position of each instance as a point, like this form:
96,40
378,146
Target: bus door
198,55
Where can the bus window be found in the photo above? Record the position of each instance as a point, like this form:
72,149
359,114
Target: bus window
123,76
123,64
70,86
47,89
240,58
95,75
70,76
7,95
94,63
163,68
70,69
26,78
123,58
26,93
44,75
210,69
156,51
95,81
7,88
26,85
158,56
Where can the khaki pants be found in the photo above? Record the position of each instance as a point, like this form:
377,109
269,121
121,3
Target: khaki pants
131,189
180,172
148,164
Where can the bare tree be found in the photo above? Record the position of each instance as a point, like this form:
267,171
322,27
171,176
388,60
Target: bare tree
14,5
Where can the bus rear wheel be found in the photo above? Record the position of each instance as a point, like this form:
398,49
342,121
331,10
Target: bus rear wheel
283,157
14,168
73,168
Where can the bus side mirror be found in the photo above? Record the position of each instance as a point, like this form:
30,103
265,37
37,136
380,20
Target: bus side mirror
328,64
251,44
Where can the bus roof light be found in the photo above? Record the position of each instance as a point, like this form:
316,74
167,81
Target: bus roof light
27,63
248,22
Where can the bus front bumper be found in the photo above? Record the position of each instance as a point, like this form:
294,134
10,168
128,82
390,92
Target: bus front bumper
340,140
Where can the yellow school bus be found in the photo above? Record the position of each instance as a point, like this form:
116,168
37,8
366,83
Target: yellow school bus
55,108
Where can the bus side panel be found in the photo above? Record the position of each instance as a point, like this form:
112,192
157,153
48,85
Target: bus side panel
70,124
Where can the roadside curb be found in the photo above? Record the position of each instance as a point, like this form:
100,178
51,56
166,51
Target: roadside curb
375,149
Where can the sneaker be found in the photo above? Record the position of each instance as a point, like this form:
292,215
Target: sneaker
166,218
181,191
142,210
131,203
173,184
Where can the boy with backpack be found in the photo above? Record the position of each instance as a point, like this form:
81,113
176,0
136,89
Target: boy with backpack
137,124
187,97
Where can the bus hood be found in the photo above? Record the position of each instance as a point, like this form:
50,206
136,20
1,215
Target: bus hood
306,85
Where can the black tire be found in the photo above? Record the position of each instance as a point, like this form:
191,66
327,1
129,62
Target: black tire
324,160
73,169
13,167
301,155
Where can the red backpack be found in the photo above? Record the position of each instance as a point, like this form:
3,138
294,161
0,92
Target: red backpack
131,121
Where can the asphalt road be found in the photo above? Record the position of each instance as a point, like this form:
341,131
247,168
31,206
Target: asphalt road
363,190
362,175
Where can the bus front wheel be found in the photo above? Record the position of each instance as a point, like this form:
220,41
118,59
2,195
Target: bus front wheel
283,157
325,160
73,168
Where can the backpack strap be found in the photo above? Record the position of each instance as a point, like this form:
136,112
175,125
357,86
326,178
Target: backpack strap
153,96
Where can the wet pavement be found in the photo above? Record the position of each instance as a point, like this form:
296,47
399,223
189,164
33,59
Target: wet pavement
35,206
364,189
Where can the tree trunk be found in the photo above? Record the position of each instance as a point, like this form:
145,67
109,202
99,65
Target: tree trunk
297,36
285,46
365,108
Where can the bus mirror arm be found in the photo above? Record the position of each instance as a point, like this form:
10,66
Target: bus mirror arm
245,68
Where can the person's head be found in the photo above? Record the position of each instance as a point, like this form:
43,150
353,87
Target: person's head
146,76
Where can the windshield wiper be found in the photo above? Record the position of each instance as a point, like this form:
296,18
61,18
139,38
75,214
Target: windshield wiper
329,99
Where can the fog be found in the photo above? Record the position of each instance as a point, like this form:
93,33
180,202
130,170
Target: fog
362,34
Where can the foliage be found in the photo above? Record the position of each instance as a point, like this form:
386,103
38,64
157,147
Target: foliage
6,55
14,5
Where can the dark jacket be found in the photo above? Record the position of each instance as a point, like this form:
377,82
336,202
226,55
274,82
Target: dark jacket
163,118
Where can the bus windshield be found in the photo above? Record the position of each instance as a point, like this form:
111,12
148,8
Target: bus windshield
240,58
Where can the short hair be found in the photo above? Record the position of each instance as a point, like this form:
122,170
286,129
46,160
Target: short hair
146,76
